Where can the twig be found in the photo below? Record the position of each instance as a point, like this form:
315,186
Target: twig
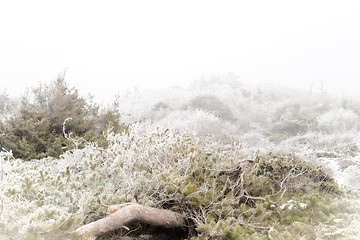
257,227
272,229
68,136
58,227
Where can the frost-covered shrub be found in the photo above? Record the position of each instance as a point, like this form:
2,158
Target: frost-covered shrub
339,120
192,164
39,195
292,119
159,111
254,139
198,123
156,167
321,140
140,105
211,104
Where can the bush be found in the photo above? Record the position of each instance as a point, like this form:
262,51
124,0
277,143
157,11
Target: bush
339,120
198,123
212,104
292,119
36,130
202,180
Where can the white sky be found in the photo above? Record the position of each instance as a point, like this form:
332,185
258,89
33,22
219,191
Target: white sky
109,46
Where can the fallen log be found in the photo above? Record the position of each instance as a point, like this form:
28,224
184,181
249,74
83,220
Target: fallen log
125,214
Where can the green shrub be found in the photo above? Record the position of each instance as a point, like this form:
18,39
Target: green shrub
280,197
36,130
221,195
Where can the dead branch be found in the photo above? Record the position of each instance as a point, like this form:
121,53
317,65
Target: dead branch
282,190
259,228
249,164
113,208
131,213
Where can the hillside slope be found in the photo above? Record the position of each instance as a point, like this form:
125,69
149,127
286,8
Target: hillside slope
189,150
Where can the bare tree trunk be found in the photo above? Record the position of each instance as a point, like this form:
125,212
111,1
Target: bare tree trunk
122,215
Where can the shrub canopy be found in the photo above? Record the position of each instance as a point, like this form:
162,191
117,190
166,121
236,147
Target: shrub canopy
36,129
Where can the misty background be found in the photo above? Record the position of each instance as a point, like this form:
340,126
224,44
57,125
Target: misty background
109,47
98,95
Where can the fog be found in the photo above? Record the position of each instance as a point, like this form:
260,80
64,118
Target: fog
109,47
205,85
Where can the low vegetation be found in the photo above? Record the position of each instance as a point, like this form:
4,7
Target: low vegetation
225,179
35,129
221,195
